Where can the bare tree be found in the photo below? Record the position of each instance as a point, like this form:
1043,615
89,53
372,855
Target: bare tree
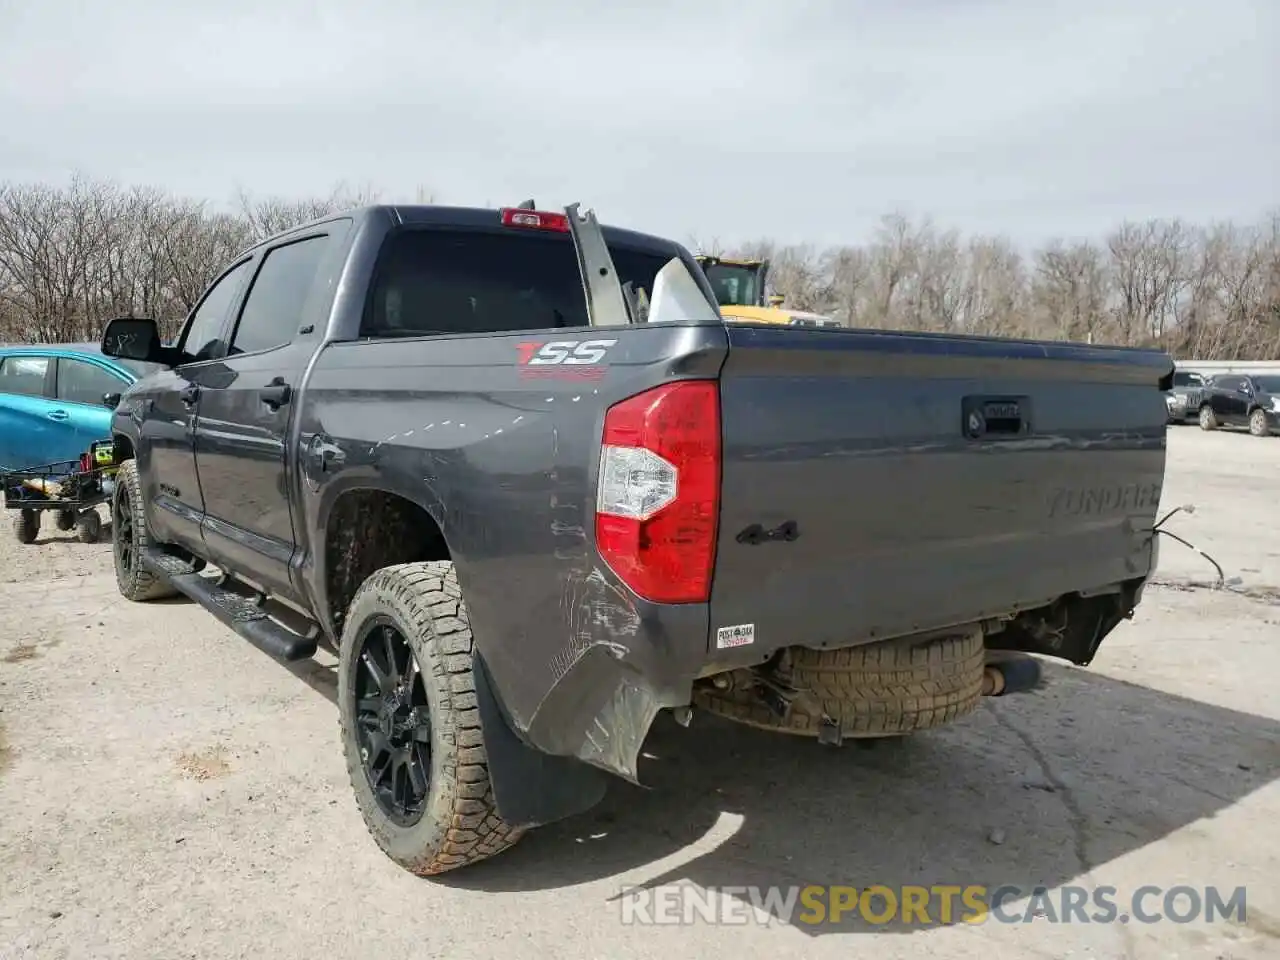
1069,291
73,256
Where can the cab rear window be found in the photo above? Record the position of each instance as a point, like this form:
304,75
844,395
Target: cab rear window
432,282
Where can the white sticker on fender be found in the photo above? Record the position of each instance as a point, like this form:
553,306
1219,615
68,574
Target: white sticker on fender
743,635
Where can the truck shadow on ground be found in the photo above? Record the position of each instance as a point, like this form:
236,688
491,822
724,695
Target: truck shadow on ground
1028,791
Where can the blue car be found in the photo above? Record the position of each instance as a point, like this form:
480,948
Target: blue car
56,399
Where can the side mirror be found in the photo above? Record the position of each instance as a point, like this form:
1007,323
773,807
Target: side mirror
111,400
133,338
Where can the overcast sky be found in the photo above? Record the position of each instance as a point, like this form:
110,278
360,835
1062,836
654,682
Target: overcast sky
804,121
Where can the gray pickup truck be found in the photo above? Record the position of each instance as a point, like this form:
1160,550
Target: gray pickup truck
512,468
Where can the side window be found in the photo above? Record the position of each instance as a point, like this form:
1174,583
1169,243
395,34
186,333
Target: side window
23,375
277,301
81,382
202,338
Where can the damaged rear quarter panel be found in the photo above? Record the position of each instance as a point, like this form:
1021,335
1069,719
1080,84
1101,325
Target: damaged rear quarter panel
506,465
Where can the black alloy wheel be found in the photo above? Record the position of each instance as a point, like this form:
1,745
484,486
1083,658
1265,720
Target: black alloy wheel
393,722
122,532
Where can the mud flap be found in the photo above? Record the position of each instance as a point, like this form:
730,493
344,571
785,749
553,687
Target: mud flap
530,788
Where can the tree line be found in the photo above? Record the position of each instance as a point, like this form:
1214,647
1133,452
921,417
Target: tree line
73,256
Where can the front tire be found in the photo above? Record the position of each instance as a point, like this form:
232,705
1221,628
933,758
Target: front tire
410,722
1208,421
129,539
1258,425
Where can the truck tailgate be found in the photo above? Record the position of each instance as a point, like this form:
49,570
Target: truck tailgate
878,484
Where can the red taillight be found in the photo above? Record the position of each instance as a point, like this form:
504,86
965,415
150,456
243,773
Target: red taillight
658,493
85,463
534,219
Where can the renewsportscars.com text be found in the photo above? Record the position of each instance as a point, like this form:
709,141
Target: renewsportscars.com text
943,904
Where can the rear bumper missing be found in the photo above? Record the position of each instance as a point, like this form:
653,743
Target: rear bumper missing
594,719
606,697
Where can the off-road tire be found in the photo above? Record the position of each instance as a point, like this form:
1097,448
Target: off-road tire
89,527
878,690
66,520
26,526
135,583
1258,425
460,825
1208,420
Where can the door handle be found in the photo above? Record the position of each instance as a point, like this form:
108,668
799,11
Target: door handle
275,394
58,414
190,395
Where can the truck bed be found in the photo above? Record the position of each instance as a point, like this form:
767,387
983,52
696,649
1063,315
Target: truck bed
879,484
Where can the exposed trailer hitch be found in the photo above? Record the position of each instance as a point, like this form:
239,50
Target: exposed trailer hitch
782,696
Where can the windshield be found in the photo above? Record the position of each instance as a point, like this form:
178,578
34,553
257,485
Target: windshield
735,285
1270,384
1183,378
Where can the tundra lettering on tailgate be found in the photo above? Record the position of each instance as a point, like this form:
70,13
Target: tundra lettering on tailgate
541,360
1095,501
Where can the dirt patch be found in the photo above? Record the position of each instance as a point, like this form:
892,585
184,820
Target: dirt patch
1261,592
6,753
23,651
204,764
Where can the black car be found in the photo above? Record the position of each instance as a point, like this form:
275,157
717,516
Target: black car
1183,398
1242,400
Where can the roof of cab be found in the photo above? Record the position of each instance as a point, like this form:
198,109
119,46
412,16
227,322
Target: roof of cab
468,218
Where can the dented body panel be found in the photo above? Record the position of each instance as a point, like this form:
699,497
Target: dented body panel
873,484
506,464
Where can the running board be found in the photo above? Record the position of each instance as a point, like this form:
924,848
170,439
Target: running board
240,613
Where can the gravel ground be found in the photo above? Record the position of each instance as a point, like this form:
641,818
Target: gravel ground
168,791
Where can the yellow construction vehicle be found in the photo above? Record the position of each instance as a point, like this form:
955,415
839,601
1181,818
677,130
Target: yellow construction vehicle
739,286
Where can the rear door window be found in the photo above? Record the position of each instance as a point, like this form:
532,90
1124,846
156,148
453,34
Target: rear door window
24,376
450,282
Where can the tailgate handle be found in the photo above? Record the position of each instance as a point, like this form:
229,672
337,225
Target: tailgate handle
996,417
